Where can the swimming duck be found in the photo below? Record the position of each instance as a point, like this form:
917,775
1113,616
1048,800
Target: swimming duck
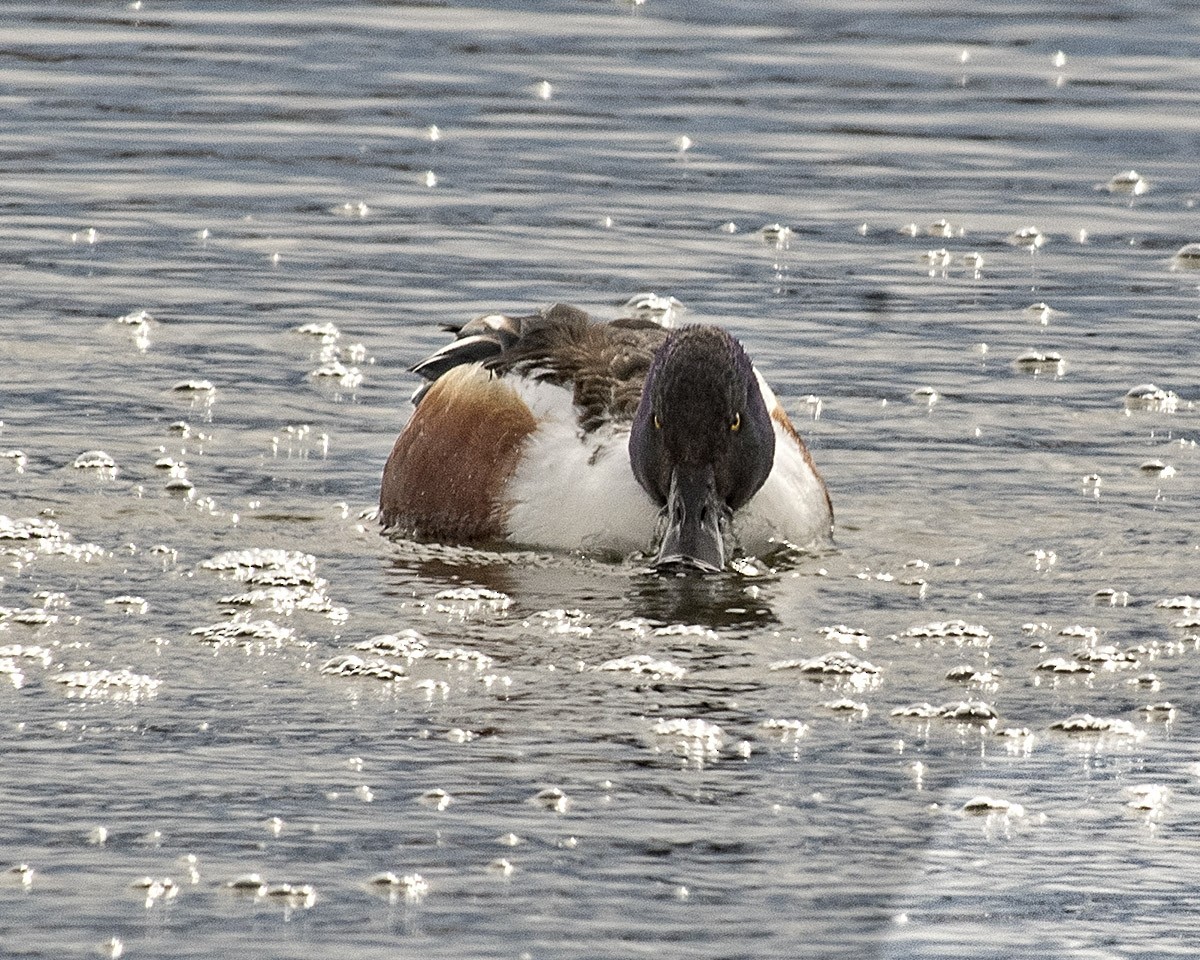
555,431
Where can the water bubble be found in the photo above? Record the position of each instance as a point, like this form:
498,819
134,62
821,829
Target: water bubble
851,636
1017,739
194,386
1164,711
988,806
137,318
1187,257
682,144
1157,468
973,711
263,634
834,663
432,133
1089,634
1112,597
123,684
327,331
1041,312
113,948
434,688
348,209
552,798
252,883
349,377
691,738
1130,182
544,90
95,460
413,886
466,601
665,311
787,731
777,235
1109,657
408,643
1147,396
846,705
350,665
1185,602
1038,363
1086,723
436,799
645,664
429,178
695,630
1059,59
1029,237
30,616
936,259
155,890
968,674
956,632
1148,798
23,873
130,604
302,895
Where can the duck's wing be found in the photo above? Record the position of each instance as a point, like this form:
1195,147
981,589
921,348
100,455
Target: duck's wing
476,341
603,364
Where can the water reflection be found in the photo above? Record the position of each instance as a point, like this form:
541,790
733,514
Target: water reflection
717,601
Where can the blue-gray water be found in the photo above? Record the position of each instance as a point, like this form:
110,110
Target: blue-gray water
206,163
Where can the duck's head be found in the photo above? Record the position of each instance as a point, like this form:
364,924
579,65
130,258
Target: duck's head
702,442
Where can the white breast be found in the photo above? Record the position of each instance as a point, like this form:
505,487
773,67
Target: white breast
576,491
790,506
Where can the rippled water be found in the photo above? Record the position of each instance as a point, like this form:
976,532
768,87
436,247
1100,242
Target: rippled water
238,173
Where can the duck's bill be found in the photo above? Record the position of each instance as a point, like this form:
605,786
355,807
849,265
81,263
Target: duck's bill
692,539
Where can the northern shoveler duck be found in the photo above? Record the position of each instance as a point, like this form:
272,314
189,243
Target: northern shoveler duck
554,431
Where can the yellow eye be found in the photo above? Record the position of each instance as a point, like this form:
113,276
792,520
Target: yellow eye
736,425
657,423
